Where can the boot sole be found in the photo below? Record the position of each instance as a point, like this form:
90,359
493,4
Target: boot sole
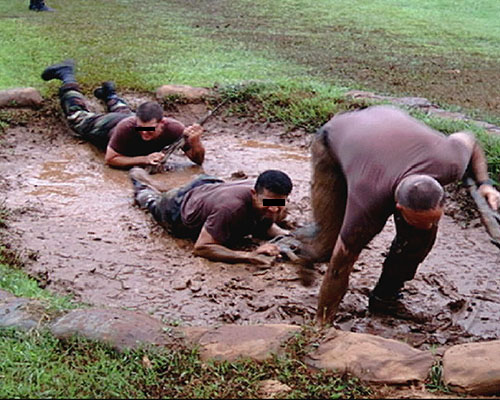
50,72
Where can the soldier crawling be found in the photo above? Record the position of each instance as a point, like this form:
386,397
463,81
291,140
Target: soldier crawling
129,139
217,214
372,163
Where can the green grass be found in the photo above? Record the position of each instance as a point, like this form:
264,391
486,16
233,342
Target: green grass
37,365
397,47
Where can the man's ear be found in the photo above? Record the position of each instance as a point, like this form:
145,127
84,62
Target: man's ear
254,193
399,206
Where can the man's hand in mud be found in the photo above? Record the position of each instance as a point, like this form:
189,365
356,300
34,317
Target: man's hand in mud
491,195
154,158
193,134
269,249
260,259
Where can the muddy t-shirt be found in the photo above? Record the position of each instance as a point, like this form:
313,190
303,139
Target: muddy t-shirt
225,209
126,141
376,148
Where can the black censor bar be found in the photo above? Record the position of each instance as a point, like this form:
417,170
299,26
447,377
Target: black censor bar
144,128
273,202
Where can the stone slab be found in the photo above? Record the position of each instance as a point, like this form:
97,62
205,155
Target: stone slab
371,358
21,97
121,328
473,368
230,342
187,92
20,312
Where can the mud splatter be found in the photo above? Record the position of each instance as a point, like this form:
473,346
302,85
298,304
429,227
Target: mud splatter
89,239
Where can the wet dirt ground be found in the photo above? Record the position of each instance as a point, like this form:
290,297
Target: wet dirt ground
74,219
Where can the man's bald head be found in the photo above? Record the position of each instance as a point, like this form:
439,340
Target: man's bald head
419,192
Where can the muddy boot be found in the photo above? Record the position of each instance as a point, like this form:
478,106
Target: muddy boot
106,91
64,71
144,191
393,306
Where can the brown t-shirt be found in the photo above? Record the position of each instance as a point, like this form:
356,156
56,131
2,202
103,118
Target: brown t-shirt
376,148
126,141
225,209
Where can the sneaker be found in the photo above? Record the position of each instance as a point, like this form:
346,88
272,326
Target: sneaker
44,7
62,71
105,91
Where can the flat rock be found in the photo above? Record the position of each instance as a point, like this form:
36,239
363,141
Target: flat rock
230,342
4,295
473,368
437,112
120,328
188,92
20,312
371,358
421,102
20,97
361,94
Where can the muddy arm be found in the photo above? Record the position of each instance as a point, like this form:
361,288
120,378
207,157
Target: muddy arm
115,159
196,152
335,282
207,247
479,168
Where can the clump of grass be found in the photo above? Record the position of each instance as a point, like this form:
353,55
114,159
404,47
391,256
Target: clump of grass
304,106
435,380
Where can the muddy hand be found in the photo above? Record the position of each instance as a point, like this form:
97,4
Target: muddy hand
193,133
261,259
269,249
154,158
491,195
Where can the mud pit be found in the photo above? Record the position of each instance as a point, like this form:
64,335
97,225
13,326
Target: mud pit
75,220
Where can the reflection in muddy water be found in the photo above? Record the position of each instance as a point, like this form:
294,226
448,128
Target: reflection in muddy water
78,215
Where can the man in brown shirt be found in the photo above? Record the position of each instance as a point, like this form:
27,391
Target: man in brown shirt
218,214
129,139
368,165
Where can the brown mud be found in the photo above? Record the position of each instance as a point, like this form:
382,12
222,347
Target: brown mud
75,219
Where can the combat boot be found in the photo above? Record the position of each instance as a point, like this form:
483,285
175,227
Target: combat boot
39,5
106,91
64,71
144,191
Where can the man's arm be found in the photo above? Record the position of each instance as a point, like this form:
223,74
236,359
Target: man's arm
479,168
335,282
206,246
275,230
115,159
196,151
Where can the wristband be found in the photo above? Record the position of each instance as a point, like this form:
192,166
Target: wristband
486,182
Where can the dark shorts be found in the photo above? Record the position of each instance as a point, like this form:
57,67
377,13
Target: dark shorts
166,208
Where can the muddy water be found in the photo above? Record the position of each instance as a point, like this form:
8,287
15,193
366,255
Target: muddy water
76,218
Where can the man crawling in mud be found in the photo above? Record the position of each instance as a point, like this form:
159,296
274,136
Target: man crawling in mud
129,139
218,214
372,163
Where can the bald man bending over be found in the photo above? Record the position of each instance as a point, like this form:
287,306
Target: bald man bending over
368,165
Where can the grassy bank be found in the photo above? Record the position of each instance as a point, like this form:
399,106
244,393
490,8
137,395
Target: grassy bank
445,50
36,365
